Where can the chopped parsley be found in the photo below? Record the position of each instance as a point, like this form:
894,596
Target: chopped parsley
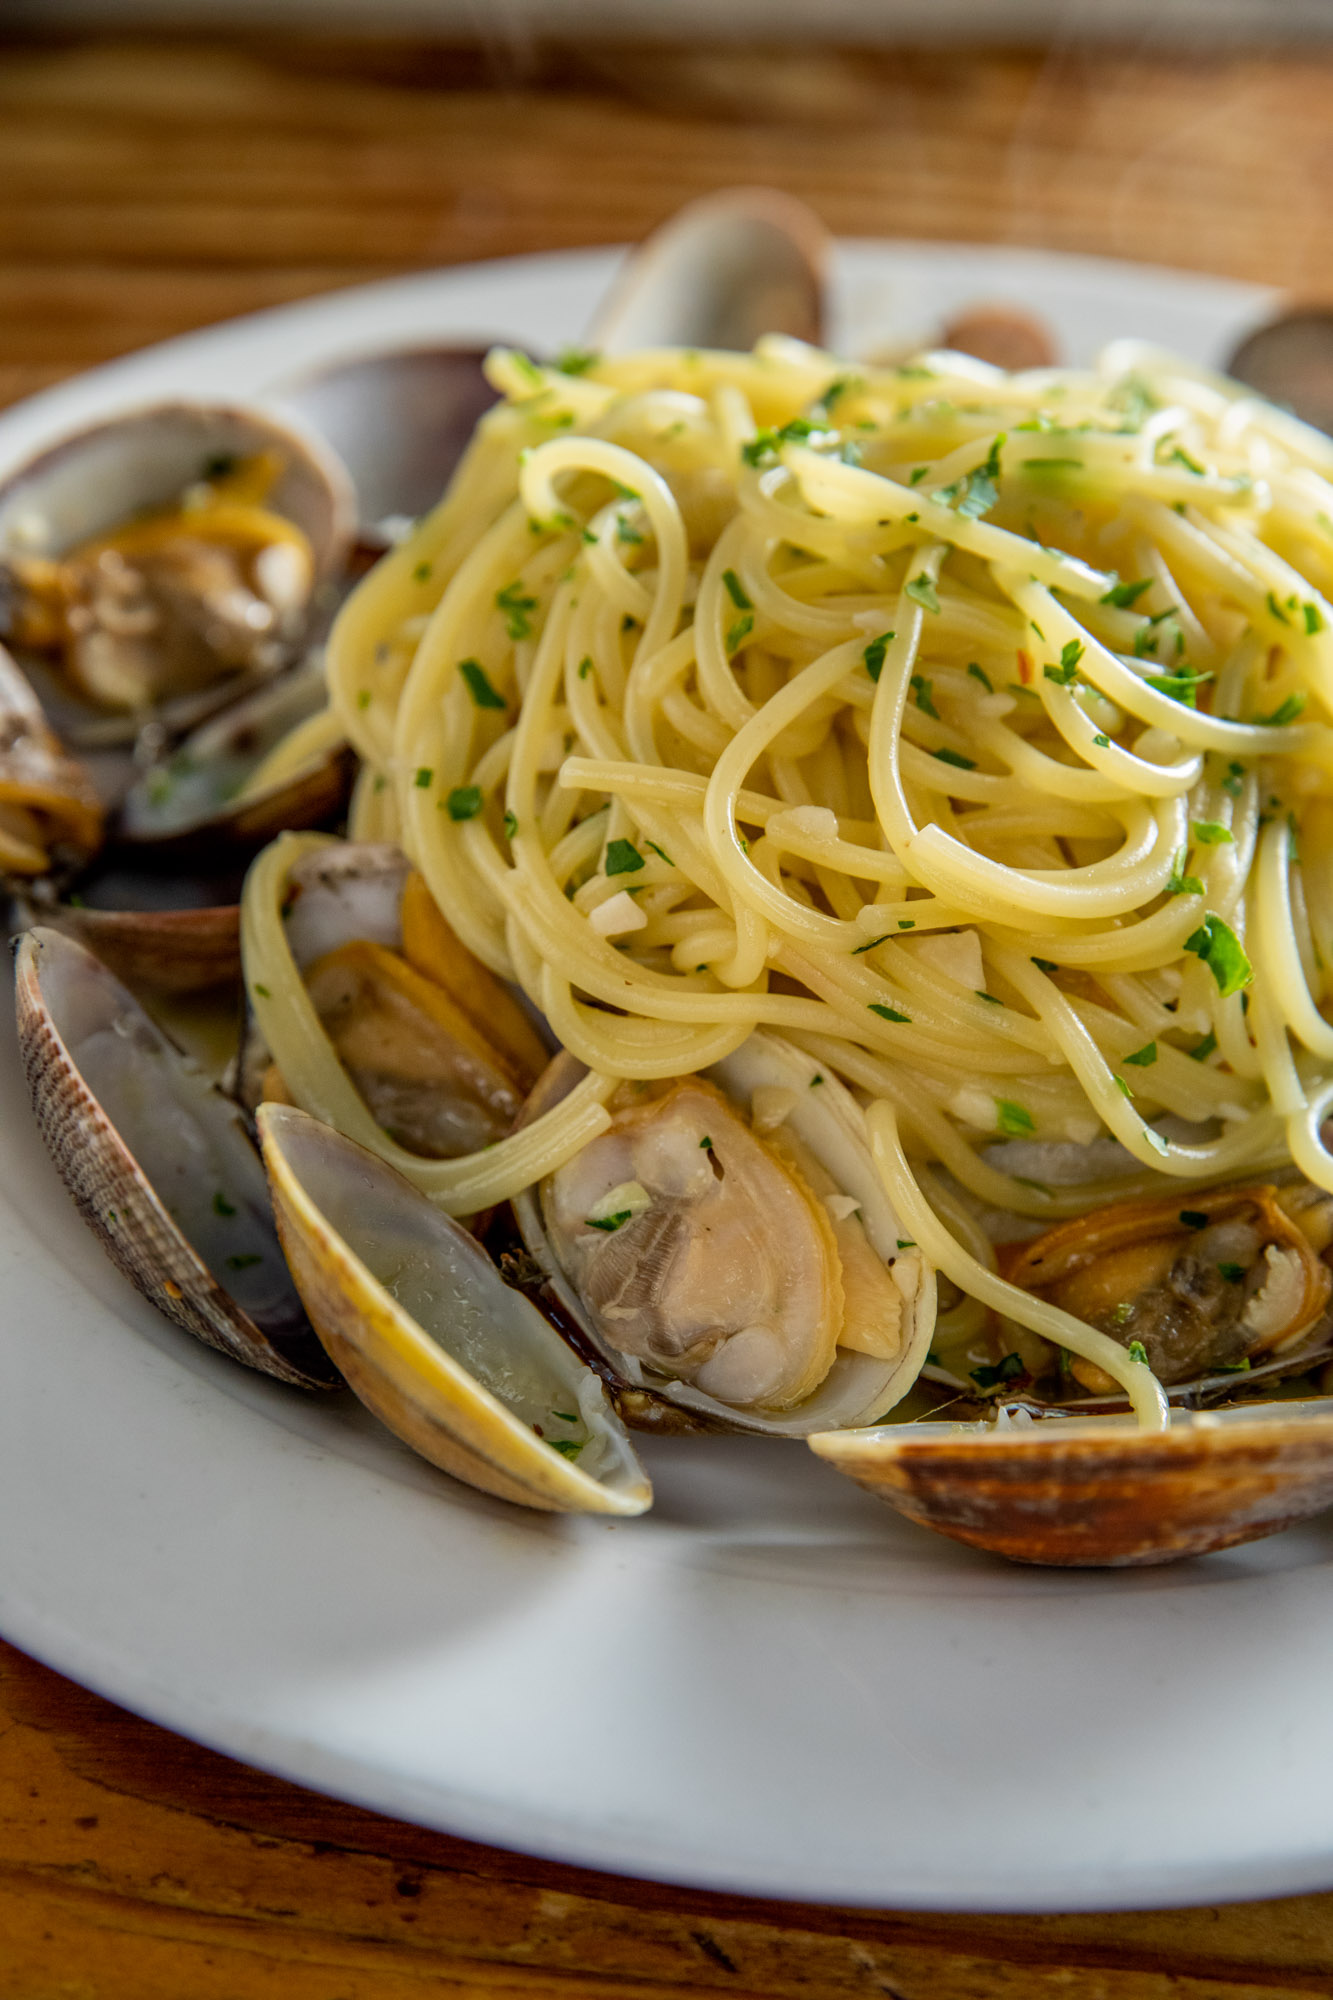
1137,1352
1234,779
1067,671
887,1013
873,656
1122,1086
956,758
1143,1058
1285,712
857,949
1223,953
1181,684
1045,965
585,666
517,607
1007,1370
979,675
1202,1050
1013,1119
977,491
1233,1273
763,448
740,631
1212,833
423,778
422,572
363,698
464,802
567,1447
736,591
1313,619
921,589
706,1144
923,689
622,857
610,1223
660,852
1125,595
511,826
576,361
262,991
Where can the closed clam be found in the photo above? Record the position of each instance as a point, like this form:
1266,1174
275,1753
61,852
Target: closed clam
163,558
728,1251
157,1162
456,1363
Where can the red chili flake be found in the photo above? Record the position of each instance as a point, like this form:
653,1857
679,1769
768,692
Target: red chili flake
1025,667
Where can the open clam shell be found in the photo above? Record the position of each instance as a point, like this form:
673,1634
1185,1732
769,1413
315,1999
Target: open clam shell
204,794
719,273
1095,1491
169,952
158,1163
50,813
460,1366
772,1085
96,481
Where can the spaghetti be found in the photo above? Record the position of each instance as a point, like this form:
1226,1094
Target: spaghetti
972,731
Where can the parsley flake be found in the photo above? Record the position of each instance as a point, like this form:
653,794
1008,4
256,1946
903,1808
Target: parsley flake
887,1013
1013,1119
1223,953
516,606
622,857
464,802
736,591
922,591
1143,1058
479,686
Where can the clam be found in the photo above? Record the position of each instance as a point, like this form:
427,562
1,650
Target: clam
165,557
1096,1492
727,1252
50,814
273,759
167,952
1289,360
157,1162
460,1366
719,273
399,422
439,1051
1220,1291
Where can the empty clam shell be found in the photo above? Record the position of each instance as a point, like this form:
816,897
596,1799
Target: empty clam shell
157,1162
456,1363
719,273
1096,1491
399,422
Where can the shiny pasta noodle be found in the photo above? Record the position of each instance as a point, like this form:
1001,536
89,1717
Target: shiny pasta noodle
972,731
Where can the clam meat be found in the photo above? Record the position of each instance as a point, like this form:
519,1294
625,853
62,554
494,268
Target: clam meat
727,1249
165,552
50,814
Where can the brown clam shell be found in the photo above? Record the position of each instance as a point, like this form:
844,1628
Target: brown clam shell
1099,1493
171,952
110,1188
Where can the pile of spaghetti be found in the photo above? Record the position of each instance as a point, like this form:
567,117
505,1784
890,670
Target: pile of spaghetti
972,731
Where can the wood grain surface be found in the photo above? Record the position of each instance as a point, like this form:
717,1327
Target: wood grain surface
149,186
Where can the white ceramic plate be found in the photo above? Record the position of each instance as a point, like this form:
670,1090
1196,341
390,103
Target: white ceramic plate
770,1684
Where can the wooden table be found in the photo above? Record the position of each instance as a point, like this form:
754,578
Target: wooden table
150,186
